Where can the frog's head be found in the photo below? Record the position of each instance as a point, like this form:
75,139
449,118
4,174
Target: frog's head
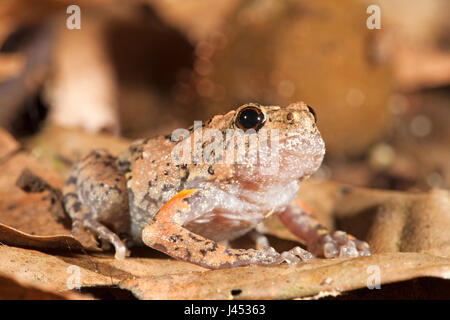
289,145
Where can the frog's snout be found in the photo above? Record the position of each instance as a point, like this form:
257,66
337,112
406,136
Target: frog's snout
301,154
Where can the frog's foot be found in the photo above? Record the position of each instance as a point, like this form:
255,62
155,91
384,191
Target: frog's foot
291,257
264,256
106,237
321,242
295,255
339,244
269,256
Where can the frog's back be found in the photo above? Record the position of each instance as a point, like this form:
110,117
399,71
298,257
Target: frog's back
152,179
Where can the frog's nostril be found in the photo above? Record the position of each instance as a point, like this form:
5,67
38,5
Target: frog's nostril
290,116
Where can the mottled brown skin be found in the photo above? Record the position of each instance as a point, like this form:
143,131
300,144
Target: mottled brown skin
185,209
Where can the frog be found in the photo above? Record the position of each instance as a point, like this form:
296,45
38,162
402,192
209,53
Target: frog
190,207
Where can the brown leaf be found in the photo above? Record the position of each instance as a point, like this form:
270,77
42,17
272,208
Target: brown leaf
12,288
287,282
95,270
28,212
14,237
34,266
38,212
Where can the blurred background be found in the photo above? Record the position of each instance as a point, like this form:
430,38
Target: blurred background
141,68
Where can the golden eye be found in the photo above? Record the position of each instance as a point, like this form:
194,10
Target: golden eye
250,118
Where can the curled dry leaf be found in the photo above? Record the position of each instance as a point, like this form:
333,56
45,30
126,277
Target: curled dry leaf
14,237
34,266
94,270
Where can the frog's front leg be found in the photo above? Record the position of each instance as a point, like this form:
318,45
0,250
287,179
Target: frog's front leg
166,233
320,241
96,199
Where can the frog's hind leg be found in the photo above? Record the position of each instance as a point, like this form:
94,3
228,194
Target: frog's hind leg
320,241
95,198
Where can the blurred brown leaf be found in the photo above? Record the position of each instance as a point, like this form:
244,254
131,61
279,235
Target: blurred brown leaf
313,51
7,144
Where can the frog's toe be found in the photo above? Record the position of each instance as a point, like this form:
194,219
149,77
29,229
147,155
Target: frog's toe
295,255
362,247
121,251
76,227
339,244
265,256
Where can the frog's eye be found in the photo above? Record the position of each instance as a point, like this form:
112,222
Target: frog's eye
250,118
313,113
